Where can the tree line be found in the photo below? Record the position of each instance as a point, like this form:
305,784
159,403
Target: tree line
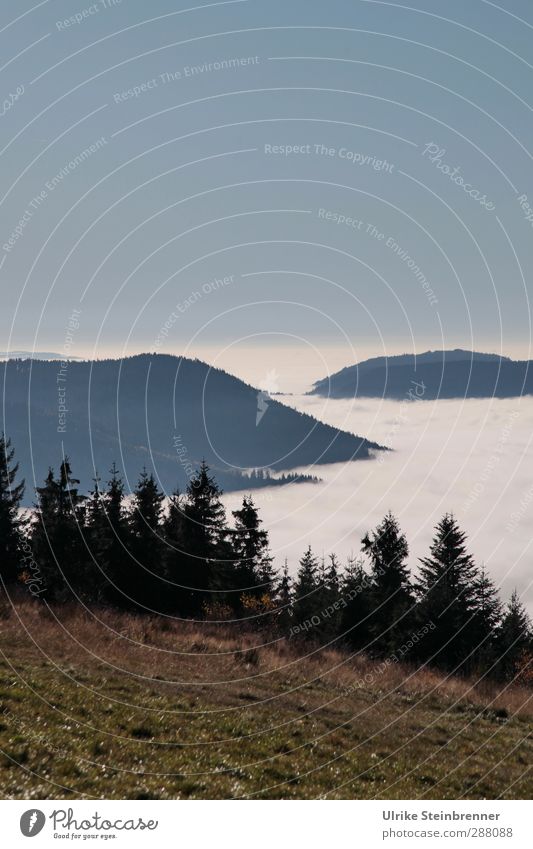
178,556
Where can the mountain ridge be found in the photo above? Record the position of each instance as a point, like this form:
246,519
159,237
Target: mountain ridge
162,411
455,373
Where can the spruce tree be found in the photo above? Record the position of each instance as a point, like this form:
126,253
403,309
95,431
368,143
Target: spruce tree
515,639
356,600
332,578
447,589
57,535
115,514
253,561
93,505
108,533
326,599
321,594
305,591
205,512
392,596
209,557
284,600
174,533
94,535
487,616
144,585
11,525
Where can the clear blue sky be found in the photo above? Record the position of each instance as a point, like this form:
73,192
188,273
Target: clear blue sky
191,181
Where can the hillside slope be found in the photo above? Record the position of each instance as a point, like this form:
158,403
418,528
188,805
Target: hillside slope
131,708
444,374
167,413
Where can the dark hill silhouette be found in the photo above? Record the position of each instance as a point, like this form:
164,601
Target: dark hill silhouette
165,412
444,374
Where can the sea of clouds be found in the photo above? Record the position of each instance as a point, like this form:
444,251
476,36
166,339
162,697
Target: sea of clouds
473,457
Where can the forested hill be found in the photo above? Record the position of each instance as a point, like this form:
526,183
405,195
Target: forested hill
165,412
438,374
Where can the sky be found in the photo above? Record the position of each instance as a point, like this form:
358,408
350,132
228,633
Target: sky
266,184
283,189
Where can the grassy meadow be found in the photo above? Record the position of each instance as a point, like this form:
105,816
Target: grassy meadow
111,705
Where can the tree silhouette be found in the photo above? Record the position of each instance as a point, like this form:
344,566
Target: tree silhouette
253,562
57,535
392,596
356,604
110,549
144,584
305,589
174,533
515,638
208,557
448,592
107,532
284,599
11,525
487,616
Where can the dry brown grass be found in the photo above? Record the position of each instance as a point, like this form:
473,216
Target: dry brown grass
233,699
204,651
139,644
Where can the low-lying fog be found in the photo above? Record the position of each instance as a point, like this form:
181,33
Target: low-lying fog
472,457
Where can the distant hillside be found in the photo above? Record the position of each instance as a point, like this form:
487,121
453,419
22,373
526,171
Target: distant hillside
33,355
444,374
163,412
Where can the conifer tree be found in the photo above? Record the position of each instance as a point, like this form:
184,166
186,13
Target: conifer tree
392,596
114,505
144,584
332,577
487,616
306,587
253,561
284,586
447,589
355,595
515,638
174,532
205,512
11,525
208,557
284,599
325,599
93,505
94,535
321,594
108,533
57,535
